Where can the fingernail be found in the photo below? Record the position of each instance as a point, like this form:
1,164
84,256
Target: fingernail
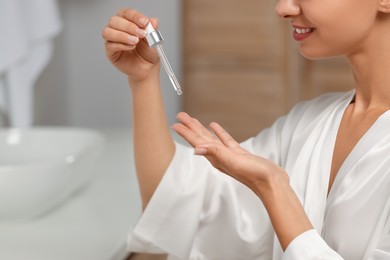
133,39
143,21
141,33
200,151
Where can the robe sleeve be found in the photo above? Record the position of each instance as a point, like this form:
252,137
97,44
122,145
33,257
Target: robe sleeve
170,220
310,246
199,212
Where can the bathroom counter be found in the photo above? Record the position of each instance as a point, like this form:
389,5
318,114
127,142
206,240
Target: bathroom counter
91,224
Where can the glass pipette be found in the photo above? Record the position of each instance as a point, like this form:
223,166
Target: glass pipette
155,39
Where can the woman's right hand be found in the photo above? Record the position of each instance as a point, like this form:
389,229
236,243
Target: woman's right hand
126,47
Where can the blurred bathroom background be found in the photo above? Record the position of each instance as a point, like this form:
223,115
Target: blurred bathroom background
79,87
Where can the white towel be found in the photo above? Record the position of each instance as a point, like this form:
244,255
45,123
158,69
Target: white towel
27,29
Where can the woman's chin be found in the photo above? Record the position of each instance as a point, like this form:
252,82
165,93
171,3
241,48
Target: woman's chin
316,54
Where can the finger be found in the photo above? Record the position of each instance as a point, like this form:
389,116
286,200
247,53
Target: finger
218,155
226,139
206,149
154,22
194,125
113,47
185,132
213,149
112,35
134,16
193,138
124,25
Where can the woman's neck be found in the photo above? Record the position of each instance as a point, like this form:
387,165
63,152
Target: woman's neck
371,69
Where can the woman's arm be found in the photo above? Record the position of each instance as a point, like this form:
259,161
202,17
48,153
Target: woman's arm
266,179
153,145
128,51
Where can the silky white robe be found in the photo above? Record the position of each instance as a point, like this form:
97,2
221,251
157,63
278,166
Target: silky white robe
199,213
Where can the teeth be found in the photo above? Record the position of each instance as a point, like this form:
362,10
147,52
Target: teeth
304,30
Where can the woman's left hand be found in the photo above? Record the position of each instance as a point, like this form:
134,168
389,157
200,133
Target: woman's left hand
269,181
225,154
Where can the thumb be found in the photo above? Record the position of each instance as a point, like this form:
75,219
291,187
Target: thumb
154,22
207,150
218,153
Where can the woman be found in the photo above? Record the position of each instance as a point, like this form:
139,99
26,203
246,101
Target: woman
315,185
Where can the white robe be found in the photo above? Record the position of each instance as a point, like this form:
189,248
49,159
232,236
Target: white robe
199,213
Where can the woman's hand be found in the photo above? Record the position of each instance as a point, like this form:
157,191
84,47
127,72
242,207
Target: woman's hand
126,47
269,181
225,154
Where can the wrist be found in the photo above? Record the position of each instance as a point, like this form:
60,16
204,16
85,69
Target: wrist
284,208
276,180
151,80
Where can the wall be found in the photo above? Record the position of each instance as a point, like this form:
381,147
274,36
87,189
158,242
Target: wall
80,87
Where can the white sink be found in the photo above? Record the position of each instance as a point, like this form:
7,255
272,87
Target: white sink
41,167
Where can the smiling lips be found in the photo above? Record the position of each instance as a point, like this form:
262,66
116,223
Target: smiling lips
301,33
